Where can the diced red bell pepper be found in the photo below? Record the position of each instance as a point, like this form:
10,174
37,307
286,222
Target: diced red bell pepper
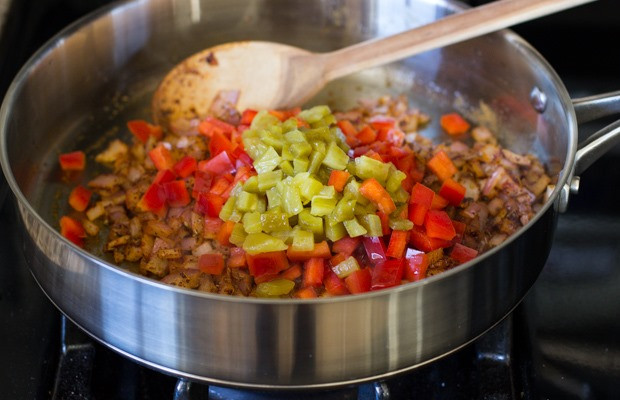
242,157
420,240
439,225
211,263
387,274
462,253
359,281
212,227
237,258
382,123
454,124
307,292
202,183
334,285
161,157
347,128
391,135
265,278
283,115
441,165
209,204
211,125
142,130
452,191
346,245
185,166
73,230
164,176
176,193
223,235
79,198
337,259
291,273
338,179
220,143
321,250
375,249
220,164
439,203
385,223
73,161
419,203
366,135
221,184
373,191
266,263
416,265
154,200
313,272
247,116
459,228
398,243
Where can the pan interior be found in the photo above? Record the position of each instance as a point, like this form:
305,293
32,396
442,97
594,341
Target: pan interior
65,102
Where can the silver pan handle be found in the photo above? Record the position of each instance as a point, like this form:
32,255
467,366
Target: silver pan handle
589,109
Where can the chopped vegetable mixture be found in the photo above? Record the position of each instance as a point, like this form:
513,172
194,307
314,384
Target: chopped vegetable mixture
303,203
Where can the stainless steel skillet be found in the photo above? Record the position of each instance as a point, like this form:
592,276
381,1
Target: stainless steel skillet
102,70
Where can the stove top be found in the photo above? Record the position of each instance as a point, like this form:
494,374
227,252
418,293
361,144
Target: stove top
562,341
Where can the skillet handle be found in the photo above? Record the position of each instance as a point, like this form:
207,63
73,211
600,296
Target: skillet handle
591,108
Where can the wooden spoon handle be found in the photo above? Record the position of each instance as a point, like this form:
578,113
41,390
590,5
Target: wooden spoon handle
451,29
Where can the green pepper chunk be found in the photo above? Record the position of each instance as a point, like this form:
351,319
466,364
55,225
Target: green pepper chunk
303,240
335,157
256,243
274,288
346,267
354,228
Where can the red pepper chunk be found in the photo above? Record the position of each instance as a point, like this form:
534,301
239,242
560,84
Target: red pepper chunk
247,116
373,191
185,166
346,245
163,176
211,125
220,143
73,230
314,269
308,292
79,198
161,157
218,165
266,263
176,193
416,265
142,130
359,281
223,235
419,203
459,228
211,263
154,200
366,135
334,285
398,243
387,274
454,124
421,241
439,225
462,253
237,258
209,204
338,179
74,161
375,250
321,250
452,191
441,165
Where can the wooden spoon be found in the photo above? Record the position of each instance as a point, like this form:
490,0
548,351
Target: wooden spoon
277,76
